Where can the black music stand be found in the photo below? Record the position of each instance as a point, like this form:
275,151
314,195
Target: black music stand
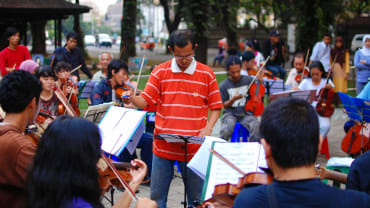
186,140
357,109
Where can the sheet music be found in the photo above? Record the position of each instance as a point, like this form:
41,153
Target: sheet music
199,162
118,127
248,157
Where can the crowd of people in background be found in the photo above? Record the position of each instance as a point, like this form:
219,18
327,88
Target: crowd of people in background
185,99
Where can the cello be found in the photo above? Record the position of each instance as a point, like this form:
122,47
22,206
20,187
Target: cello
325,105
256,91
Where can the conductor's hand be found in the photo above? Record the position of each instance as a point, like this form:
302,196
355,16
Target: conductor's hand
139,173
146,203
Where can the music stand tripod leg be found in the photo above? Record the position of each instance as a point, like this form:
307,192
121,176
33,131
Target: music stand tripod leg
185,181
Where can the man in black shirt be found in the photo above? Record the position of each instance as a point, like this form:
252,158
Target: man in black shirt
273,47
72,55
290,137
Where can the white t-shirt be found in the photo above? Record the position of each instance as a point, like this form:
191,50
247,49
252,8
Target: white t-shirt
307,84
291,78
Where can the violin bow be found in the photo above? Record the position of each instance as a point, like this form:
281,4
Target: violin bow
227,161
138,78
64,101
77,68
305,63
259,70
119,177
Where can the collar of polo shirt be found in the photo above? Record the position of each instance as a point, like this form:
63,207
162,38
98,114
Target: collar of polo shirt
190,70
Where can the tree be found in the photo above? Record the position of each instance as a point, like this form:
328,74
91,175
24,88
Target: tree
197,16
172,25
128,30
77,29
228,11
38,36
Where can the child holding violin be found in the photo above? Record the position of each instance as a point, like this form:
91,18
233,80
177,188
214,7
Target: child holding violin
49,102
233,92
291,140
317,81
19,98
64,172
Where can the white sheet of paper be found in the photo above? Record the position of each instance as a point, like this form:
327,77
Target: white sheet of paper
118,126
340,161
246,156
199,162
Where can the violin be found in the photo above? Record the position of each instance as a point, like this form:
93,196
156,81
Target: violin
64,101
354,142
255,103
34,132
67,86
225,194
325,105
107,178
31,133
301,75
304,73
267,74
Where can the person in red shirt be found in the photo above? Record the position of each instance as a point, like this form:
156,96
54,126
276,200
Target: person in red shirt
184,91
12,56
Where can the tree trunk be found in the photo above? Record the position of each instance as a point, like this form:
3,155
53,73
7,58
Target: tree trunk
230,10
128,30
172,25
38,36
77,29
199,12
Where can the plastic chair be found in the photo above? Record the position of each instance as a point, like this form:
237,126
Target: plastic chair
178,166
239,131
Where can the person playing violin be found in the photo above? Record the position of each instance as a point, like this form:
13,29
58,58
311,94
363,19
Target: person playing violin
104,91
19,98
316,81
63,74
64,172
233,92
291,140
296,72
248,59
49,102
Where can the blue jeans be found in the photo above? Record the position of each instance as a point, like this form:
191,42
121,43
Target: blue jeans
162,174
277,70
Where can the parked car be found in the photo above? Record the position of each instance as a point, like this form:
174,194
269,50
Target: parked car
89,40
357,42
104,40
147,43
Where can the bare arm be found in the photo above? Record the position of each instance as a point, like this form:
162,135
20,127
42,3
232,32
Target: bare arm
213,117
230,102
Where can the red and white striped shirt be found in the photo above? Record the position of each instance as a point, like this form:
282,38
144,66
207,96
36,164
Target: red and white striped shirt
183,100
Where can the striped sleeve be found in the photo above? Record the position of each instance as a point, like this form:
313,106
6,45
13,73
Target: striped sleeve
151,91
214,97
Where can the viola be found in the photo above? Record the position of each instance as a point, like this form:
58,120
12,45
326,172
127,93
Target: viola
354,142
255,103
68,88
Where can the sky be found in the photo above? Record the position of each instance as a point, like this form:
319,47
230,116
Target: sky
102,4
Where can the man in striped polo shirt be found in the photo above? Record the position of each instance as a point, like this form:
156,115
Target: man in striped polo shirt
184,91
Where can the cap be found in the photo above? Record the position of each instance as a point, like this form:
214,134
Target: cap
274,33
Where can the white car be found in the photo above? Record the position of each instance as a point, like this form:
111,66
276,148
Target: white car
89,40
104,40
357,42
